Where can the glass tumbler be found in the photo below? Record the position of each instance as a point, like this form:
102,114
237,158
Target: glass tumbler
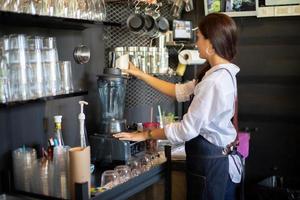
6,5
146,162
35,62
109,179
66,76
49,43
100,10
19,74
135,167
124,173
33,7
4,92
51,72
72,8
17,41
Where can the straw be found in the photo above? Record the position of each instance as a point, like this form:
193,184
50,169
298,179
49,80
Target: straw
151,114
160,117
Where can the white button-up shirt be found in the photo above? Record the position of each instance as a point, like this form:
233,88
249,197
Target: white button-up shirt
211,110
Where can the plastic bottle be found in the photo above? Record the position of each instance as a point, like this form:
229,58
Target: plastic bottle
58,132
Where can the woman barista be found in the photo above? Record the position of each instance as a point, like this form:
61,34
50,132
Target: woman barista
206,128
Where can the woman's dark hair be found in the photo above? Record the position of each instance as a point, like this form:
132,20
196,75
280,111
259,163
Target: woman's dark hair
221,30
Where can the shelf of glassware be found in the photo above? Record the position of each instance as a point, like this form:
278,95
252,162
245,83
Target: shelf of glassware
277,11
23,19
45,98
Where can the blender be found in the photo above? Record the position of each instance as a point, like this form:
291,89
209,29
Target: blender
105,149
112,87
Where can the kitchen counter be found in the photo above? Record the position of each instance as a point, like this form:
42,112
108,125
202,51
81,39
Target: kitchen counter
161,171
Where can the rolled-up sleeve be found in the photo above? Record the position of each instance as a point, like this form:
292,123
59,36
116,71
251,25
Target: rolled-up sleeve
203,109
183,91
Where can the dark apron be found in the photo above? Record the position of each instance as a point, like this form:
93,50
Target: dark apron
207,170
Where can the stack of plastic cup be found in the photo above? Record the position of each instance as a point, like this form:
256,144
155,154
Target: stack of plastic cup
61,172
24,160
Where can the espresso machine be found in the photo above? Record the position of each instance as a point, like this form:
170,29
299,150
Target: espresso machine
104,147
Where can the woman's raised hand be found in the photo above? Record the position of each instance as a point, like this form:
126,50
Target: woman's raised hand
133,70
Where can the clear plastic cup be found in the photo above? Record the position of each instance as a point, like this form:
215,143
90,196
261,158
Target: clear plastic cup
24,160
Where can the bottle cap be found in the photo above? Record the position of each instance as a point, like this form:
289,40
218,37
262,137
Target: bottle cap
57,118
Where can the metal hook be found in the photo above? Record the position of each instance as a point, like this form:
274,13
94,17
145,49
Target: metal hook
137,2
148,7
182,46
157,7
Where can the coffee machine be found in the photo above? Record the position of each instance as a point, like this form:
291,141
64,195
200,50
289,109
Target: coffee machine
104,147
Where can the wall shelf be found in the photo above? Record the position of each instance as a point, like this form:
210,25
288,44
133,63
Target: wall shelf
42,99
28,20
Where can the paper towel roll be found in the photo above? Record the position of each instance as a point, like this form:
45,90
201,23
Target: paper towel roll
190,57
80,161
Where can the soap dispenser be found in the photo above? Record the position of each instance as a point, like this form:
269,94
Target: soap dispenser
80,158
81,118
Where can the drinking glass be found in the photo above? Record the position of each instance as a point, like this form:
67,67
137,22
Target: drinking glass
49,43
17,41
109,179
4,92
52,7
19,74
82,9
35,62
72,8
5,44
135,167
51,72
6,5
100,10
33,7
146,163
66,76
124,173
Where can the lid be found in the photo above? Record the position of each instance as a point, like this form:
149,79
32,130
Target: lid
112,71
113,74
